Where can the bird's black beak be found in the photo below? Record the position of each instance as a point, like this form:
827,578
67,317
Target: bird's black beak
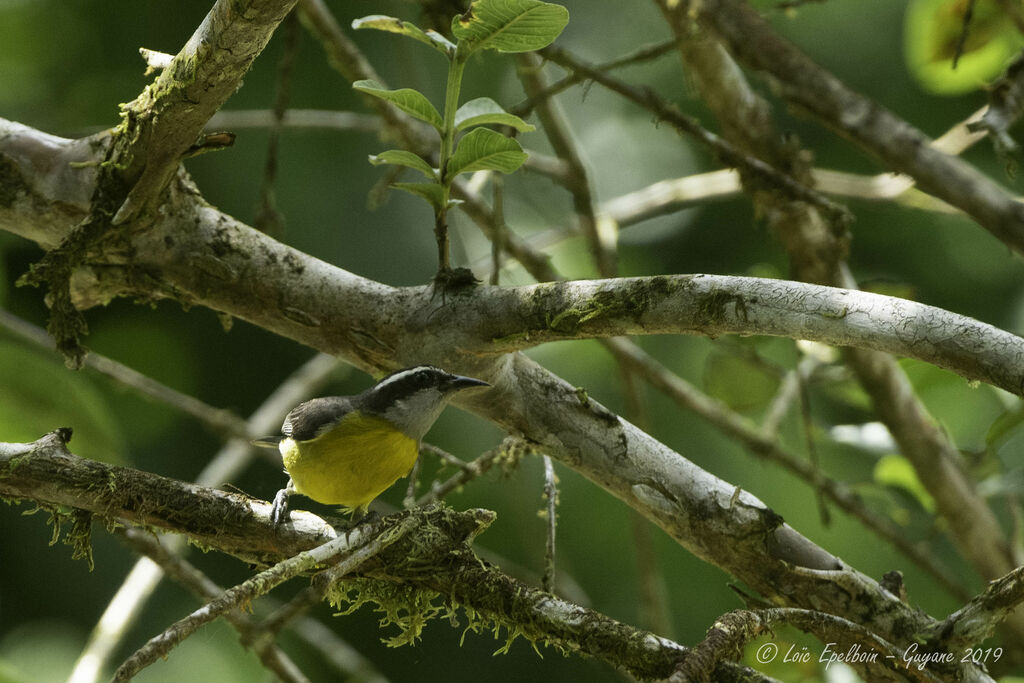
459,382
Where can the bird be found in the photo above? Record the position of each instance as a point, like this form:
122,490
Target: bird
347,450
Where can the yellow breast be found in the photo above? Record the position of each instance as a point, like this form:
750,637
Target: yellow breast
351,464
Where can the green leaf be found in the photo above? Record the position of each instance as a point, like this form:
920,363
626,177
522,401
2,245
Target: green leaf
932,31
408,100
509,25
400,157
432,192
484,110
896,471
382,22
486,150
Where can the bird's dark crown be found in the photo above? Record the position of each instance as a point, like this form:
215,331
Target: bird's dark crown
403,383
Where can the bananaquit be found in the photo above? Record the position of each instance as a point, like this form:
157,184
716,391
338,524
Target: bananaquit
346,450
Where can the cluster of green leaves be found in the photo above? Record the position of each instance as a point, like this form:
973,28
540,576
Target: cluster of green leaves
502,25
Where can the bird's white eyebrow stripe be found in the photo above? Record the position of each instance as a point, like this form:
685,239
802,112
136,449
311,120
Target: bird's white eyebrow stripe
401,375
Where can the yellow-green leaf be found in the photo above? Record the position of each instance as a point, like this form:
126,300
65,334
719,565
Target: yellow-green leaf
401,157
381,22
486,150
408,100
485,111
509,25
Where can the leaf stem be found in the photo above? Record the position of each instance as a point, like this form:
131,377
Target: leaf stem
456,65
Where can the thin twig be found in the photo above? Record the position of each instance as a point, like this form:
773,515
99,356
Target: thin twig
550,514
498,204
728,153
642,54
468,472
965,31
344,56
296,119
268,218
529,70
445,457
218,420
200,585
358,544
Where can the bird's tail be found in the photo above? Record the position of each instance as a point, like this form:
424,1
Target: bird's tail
266,441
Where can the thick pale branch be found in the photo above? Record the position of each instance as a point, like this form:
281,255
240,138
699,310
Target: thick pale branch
719,304
223,264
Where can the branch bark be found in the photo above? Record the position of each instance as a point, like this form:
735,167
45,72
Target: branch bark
221,263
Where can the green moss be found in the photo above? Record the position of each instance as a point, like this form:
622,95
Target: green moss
626,299
402,605
407,598
79,537
603,304
713,307
841,313
410,608
14,463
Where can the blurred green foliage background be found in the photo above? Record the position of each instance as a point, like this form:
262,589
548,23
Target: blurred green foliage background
65,66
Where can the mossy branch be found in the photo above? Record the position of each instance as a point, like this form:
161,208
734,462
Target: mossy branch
424,557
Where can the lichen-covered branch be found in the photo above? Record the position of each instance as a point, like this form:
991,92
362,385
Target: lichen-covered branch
425,548
975,622
714,305
46,472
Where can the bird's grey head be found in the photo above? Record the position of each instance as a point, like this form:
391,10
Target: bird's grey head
413,398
